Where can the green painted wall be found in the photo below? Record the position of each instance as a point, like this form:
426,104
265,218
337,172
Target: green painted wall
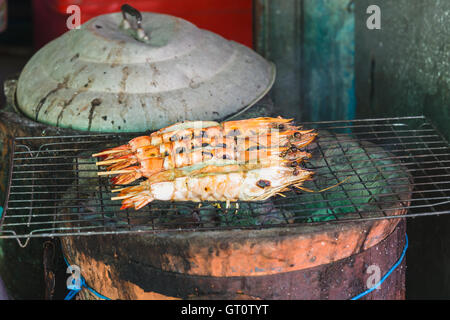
312,44
404,69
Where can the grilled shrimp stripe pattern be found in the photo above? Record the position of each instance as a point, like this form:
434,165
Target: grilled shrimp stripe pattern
149,167
145,150
257,184
177,155
152,159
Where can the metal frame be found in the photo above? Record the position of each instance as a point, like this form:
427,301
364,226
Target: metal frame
53,190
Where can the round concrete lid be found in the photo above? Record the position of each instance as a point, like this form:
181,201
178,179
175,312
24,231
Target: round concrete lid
101,77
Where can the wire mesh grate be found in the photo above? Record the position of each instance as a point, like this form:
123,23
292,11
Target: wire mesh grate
392,167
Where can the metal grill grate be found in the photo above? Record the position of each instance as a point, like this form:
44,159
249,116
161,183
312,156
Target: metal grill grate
395,167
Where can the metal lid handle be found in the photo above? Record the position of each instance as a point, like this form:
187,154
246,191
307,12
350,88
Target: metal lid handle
140,33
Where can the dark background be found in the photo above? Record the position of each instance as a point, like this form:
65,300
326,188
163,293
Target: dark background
17,42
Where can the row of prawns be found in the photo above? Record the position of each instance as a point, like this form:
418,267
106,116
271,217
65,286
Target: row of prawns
247,160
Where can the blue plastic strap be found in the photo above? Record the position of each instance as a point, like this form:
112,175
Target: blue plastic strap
97,294
73,292
387,274
1,212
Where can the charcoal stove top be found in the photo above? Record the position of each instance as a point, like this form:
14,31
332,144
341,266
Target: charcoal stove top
391,168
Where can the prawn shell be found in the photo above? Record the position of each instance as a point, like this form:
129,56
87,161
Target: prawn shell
231,186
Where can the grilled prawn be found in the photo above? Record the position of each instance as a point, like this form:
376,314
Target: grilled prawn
190,130
149,160
149,167
146,151
153,159
222,184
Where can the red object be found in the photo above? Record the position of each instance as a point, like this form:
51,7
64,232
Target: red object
232,19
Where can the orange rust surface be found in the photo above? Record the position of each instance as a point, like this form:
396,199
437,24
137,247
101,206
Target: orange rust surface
104,277
233,253
100,277
380,231
256,257
251,255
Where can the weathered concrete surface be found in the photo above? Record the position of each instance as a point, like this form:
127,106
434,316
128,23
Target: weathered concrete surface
404,68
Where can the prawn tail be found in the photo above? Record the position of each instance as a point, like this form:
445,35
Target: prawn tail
136,196
128,177
112,153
